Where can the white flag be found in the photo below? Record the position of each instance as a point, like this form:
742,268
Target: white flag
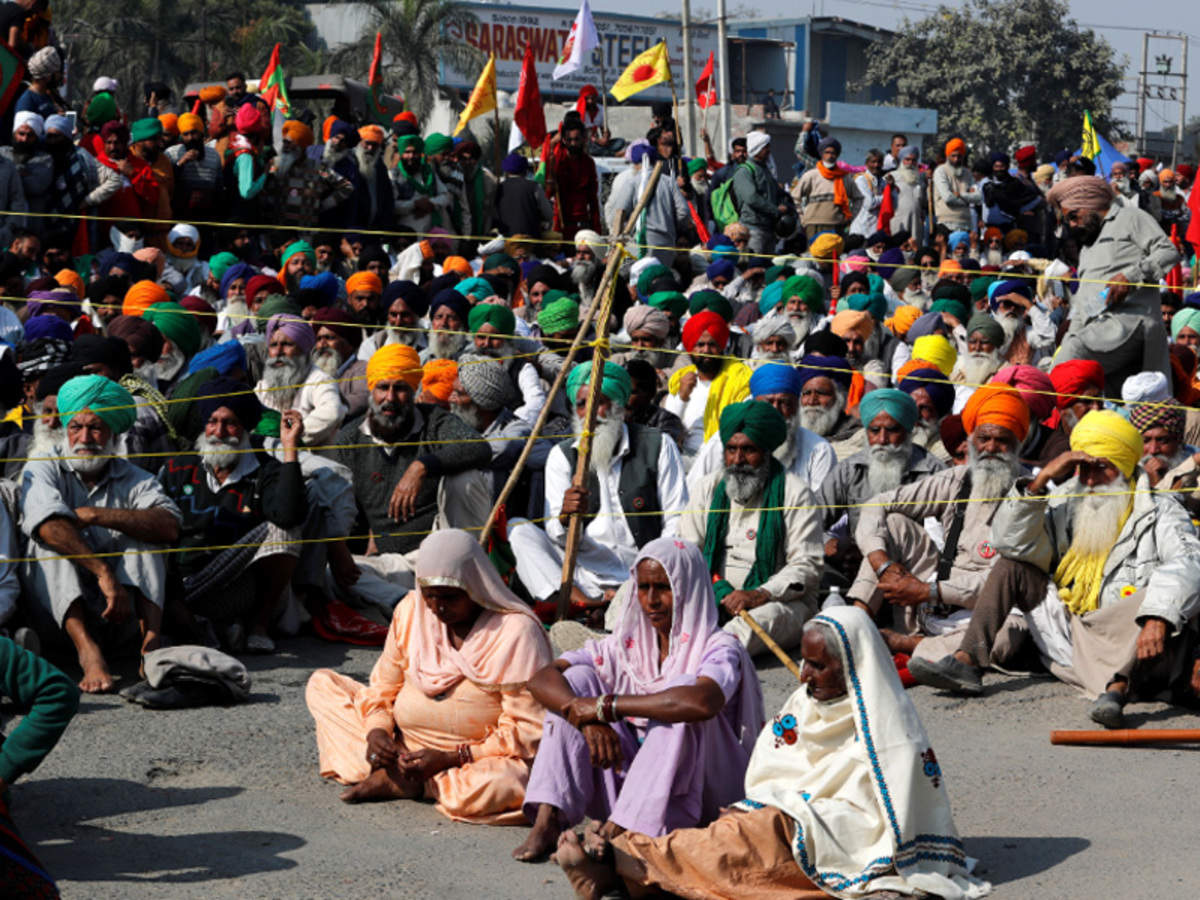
581,41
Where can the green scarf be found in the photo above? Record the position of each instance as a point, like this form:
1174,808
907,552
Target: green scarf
422,181
771,534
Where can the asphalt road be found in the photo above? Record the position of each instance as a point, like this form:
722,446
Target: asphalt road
226,802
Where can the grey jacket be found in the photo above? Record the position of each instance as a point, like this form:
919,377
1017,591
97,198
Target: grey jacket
757,196
1157,550
848,484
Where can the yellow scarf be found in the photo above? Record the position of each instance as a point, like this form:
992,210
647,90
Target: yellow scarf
732,385
1080,575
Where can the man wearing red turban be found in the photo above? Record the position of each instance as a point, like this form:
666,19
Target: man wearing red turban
701,390
1079,385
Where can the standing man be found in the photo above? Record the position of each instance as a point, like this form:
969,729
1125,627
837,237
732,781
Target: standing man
757,194
954,190
826,194
911,188
571,179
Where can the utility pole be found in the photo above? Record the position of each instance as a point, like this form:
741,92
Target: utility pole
1164,82
685,22
723,75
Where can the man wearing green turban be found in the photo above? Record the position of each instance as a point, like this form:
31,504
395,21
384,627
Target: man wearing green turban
673,303
636,483
758,529
803,304
298,259
420,196
985,337
494,329
92,516
559,321
177,325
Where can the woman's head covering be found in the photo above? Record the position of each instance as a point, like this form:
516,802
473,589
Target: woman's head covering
896,404
103,396
507,644
997,404
1101,433
626,661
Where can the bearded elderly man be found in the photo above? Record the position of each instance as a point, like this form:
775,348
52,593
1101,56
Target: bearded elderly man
647,328
494,332
983,359
404,304
424,471
634,491
774,340
335,353
802,453
300,188
1106,570
889,460
758,528
824,383
857,329
89,503
700,391
934,397
235,495
448,313
932,590
1029,333
1114,322
290,380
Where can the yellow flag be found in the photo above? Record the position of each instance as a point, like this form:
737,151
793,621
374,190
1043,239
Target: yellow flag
1090,147
650,68
483,96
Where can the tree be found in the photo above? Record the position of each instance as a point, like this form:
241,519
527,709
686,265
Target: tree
1003,72
415,43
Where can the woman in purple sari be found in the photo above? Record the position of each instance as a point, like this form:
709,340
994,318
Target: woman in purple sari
649,729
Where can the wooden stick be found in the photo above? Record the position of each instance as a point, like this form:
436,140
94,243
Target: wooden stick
1127,737
770,642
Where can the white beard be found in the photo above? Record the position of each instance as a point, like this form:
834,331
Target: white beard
147,373
660,359
1167,194
285,161
217,453
366,161
887,465
327,359
993,257
976,368
1171,461
786,452
820,419
1096,518
502,352
760,357
283,375
237,312
1122,186
393,335
1011,326
926,434
801,324
605,438
446,345
90,459
471,414
744,483
332,155
169,364
992,476
45,440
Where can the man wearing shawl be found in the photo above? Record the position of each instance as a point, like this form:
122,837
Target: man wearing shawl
1108,575
844,798
633,469
447,713
826,194
649,728
757,527
571,180
419,194
932,590
889,460
291,381
89,503
701,390
954,190
300,188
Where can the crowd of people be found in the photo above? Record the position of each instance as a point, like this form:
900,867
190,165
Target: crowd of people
263,380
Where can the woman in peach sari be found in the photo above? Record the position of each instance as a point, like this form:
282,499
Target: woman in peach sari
447,713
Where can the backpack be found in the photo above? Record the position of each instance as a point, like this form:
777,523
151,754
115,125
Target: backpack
724,204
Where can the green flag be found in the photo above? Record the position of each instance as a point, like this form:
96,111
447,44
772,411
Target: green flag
12,71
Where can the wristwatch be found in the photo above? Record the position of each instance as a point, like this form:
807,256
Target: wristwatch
887,565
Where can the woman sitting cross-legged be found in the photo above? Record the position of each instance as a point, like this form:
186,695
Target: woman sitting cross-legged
447,713
650,728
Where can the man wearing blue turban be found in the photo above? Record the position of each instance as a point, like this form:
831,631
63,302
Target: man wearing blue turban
91,517
632,494
756,523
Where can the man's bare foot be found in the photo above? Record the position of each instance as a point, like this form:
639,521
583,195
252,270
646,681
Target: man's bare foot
595,843
96,677
542,838
589,878
382,784
899,643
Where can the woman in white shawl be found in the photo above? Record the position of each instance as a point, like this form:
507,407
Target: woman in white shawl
844,797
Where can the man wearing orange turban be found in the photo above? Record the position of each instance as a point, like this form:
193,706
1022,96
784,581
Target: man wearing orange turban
302,188
141,296
437,382
954,189
902,566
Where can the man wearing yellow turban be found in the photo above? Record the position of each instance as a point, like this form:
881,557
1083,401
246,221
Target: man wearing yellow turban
1106,571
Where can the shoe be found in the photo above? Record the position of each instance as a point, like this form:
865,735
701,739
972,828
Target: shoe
569,635
1108,710
234,638
948,674
339,623
27,639
259,643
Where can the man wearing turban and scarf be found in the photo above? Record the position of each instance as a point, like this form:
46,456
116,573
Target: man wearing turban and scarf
889,460
954,190
647,328
420,194
756,524
1106,570
932,590
86,504
701,390
1116,316
826,194
632,469
425,469
230,492
300,188
290,380
1079,388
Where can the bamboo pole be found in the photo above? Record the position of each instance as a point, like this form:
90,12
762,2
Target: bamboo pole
770,642
1126,737
610,273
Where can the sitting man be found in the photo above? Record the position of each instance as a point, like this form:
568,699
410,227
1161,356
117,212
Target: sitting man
494,329
843,788
290,380
1165,457
1079,384
90,502
1109,578
335,353
982,360
932,591
647,328
934,397
632,468
700,391
803,453
824,384
758,528
889,460
774,340
235,495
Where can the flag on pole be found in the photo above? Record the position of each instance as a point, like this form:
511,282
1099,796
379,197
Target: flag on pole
1090,147
483,96
706,90
648,69
375,83
581,41
528,114
12,71
271,86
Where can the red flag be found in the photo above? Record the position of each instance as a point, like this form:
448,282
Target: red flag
272,86
1174,277
528,113
375,83
887,208
706,90
1193,229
